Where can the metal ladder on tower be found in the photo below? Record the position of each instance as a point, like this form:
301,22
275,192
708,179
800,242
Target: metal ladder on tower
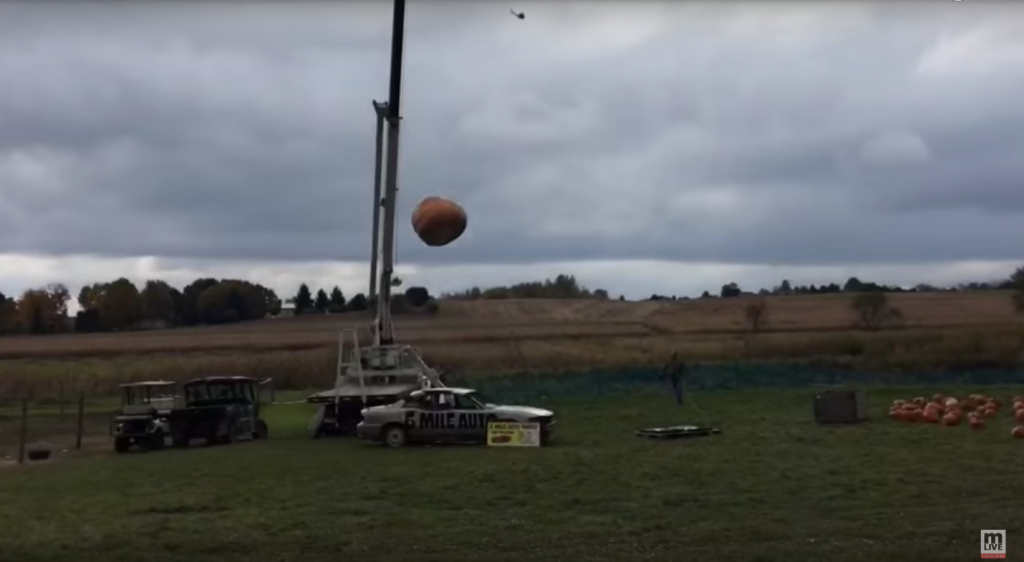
350,363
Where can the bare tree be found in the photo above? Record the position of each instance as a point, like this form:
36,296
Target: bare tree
756,314
873,311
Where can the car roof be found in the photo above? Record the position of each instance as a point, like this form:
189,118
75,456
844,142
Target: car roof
453,390
220,379
147,383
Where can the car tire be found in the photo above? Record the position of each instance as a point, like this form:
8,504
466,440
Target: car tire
122,444
395,436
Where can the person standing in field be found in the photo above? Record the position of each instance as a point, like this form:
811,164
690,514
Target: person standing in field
675,374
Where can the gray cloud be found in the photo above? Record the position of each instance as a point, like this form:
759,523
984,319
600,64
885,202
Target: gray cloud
735,134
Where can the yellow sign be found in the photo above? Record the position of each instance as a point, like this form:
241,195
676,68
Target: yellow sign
513,435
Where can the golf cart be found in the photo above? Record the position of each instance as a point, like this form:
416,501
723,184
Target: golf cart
142,419
219,410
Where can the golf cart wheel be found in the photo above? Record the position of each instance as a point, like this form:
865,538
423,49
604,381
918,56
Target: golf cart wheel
262,432
122,444
156,440
179,440
395,436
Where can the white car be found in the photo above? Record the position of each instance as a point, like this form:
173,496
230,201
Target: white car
458,415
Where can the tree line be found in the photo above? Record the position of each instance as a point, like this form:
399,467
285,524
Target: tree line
413,300
855,285
565,286
561,287
120,305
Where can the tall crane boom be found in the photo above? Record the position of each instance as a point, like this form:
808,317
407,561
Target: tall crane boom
384,332
380,108
384,371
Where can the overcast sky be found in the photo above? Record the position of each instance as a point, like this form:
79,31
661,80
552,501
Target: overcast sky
645,147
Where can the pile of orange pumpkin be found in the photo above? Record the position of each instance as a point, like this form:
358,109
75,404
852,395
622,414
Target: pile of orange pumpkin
950,411
1018,415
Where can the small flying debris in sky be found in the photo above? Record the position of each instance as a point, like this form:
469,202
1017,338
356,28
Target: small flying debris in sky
519,15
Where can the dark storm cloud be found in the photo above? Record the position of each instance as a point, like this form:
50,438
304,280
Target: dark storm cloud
735,134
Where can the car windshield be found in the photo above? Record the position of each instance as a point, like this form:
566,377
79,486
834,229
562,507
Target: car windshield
213,392
476,397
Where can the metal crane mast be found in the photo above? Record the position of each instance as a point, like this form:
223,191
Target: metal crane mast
387,114
383,371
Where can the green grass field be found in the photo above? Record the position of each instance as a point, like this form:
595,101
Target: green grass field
773,486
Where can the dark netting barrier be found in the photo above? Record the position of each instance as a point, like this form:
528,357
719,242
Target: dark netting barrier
743,375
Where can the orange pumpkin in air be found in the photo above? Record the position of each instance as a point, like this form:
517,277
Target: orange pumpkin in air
438,221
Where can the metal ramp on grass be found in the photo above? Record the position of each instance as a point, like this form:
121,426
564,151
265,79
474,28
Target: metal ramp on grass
677,432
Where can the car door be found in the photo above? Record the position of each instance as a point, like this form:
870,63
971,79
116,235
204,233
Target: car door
446,417
419,418
471,419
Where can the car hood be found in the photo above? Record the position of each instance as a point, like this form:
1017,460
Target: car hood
383,407
522,410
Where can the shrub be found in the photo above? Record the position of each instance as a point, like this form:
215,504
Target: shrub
873,311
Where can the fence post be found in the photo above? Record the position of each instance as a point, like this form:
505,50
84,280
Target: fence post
60,397
24,431
81,420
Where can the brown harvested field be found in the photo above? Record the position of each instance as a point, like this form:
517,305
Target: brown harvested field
941,330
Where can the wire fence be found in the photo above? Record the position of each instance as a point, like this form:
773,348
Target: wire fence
38,430
738,375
